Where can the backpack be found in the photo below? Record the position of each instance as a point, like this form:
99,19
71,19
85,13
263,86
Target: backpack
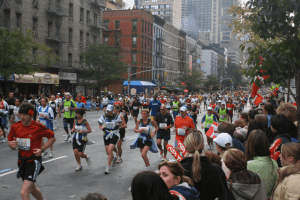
288,137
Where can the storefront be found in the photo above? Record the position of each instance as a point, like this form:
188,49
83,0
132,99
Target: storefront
7,85
37,83
67,83
86,87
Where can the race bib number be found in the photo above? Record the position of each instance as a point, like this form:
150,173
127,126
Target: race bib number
181,131
208,125
174,105
67,109
145,129
52,105
135,107
162,125
110,125
221,117
78,128
123,113
24,144
229,108
11,106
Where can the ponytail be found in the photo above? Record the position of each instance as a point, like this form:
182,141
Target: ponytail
196,167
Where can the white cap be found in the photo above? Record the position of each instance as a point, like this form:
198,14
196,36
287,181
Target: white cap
110,108
209,108
183,108
67,93
222,139
223,103
219,101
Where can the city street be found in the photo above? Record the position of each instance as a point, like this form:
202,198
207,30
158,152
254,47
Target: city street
60,181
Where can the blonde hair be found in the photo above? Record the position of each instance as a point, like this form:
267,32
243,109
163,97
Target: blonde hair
288,110
146,110
177,170
235,159
194,143
291,149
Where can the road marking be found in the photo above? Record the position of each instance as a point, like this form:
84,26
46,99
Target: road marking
133,137
4,170
15,170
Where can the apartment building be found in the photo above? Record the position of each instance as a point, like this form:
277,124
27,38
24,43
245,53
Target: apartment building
66,26
168,10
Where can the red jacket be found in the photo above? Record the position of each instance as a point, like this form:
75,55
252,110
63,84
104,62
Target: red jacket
83,99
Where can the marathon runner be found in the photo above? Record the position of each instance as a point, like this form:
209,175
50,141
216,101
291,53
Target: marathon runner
27,135
80,129
45,117
98,104
68,107
3,116
154,105
16,116
110,123
54,105
35,103
209,119
230,106
11,103
165,122
134,108
223,113
144,140
105,101
175,107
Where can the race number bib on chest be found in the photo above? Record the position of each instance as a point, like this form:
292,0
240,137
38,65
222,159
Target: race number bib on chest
24,144
181,131
11,106
43,122
162,125
110,125
78,128
67,109
145,129
135,107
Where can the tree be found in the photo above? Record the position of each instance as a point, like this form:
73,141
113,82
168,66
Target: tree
16,53
192,80
210,81
104,63
234,72
273,31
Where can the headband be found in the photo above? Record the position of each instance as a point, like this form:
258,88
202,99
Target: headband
26,111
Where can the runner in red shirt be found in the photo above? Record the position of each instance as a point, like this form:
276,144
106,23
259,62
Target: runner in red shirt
230,106
27,135
162,100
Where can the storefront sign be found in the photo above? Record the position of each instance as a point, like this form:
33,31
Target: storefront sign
46,78
24,78
67,76
10,78
87,81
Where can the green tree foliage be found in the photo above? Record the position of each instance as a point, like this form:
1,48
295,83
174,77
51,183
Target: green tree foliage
192,81
16,53
235,73
210,81
273,33
104,63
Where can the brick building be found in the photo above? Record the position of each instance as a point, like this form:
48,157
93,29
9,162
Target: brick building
132,32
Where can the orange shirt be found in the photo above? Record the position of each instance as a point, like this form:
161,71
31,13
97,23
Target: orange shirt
230,106
181,122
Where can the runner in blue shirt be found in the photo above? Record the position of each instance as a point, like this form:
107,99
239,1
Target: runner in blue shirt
79,104
155,106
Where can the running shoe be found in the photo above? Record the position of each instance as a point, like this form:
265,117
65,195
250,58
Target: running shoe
161,155
113,162
78,168
148,168
107,170
164,158
51,155
45,153
119,160
68,136
4,140
88,161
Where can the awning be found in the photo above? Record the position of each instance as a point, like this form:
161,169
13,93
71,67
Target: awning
139,83
10,78
46,78
24,78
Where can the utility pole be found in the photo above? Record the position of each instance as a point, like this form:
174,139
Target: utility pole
128,80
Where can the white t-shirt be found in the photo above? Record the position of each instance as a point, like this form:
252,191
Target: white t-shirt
105,101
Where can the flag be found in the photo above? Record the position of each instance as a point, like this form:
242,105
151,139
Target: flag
258,99
256,86
210,132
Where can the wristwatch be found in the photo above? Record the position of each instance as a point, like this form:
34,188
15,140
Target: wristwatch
42,150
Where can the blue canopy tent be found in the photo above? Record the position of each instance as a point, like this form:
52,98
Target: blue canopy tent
140,86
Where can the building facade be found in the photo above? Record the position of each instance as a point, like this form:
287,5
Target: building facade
67,27
168,10
234,56
132,32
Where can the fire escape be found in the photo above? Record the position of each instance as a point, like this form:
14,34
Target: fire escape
4,22
96,25
56,15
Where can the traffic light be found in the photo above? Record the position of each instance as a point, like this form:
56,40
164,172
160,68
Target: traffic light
166,73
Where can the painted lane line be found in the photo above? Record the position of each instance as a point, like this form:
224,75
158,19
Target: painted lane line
131,136
15,170
5,170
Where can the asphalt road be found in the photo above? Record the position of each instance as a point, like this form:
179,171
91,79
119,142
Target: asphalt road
60,181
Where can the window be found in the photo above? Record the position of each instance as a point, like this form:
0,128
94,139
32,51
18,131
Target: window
142,57
148,28
142,27
117,24
106,24
34,54
117,41
81,14
70,60
49,29
142,43
35,3
81,38
133,57
70,35
18,21
105,39
95,39
88,19
70,10
34,26
80,61
134,25
87,38
95,19
133,41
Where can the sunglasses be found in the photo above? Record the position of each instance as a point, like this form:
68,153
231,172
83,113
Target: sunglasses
162,109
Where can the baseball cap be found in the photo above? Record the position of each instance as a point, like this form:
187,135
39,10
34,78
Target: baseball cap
67,93
110,108
209,108
183,108
222,139
219,101
223,103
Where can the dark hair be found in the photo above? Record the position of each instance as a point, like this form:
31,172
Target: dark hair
252,113
262,121
244,116
269,108
235,160
26,106
46,99
148,185
226,127
255,125
213,158
257,144
94,196
1,96
280,123
80,111
239,137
